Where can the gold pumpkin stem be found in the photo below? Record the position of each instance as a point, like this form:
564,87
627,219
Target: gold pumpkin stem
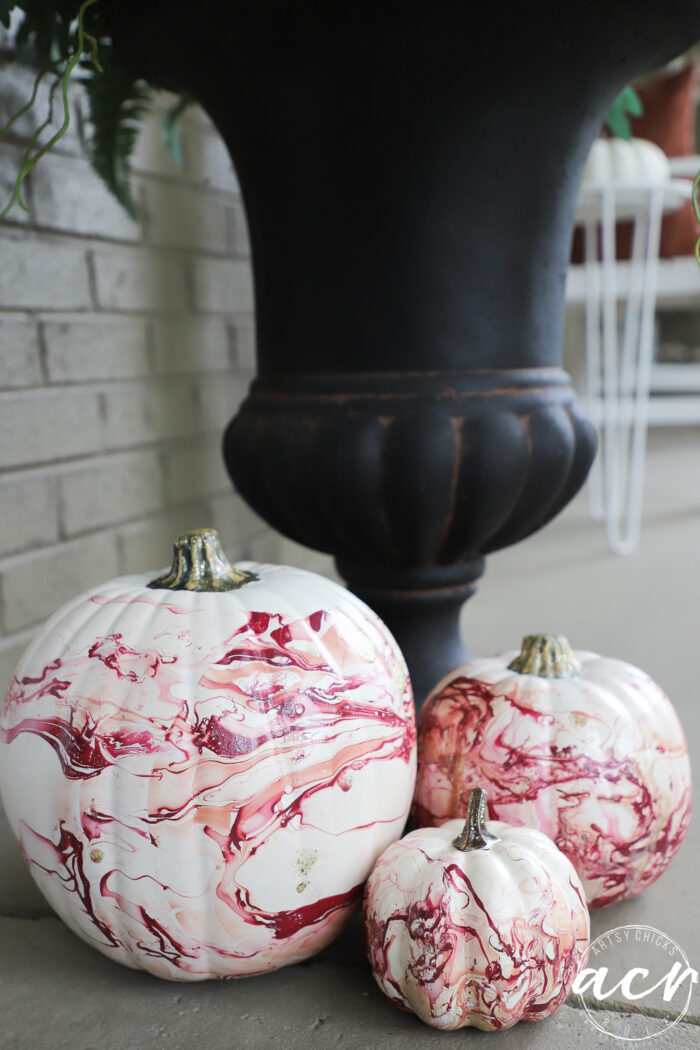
547,656
474,835
199,564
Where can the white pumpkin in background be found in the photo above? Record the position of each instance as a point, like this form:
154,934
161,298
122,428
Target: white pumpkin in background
475,924
622,162
202,769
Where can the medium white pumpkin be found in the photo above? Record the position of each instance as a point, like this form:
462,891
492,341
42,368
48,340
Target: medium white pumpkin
623,162
201,771
587,748
483,925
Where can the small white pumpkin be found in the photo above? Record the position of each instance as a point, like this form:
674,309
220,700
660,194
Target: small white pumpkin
201,769
621,162
483,924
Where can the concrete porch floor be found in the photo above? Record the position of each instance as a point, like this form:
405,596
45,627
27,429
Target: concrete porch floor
58,994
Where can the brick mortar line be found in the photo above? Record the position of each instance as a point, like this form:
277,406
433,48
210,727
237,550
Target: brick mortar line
93,291
111,528
189,183
156,445
141,243
61,238
180,178
161,381
112,383
53,314
43,354
58,470
172,312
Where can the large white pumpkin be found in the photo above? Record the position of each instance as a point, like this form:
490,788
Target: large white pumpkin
201,774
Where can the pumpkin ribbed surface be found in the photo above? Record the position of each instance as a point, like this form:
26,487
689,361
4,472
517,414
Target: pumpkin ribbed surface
201,782
485,938
598,762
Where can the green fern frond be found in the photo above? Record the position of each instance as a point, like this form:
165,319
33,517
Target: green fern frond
170,128
60,38
118,102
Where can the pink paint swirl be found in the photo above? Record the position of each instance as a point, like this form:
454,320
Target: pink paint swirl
201,783
485,938
599,763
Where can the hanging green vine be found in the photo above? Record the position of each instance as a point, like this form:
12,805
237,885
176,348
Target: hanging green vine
62,72
71,39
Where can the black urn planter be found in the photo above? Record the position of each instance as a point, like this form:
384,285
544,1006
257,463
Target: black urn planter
409,172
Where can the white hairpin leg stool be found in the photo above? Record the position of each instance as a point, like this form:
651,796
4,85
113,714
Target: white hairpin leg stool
620,302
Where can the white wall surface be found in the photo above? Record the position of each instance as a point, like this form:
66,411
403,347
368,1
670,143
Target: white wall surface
125,348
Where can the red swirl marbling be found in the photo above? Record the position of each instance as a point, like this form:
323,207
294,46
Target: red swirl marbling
200,783
484,938
599,763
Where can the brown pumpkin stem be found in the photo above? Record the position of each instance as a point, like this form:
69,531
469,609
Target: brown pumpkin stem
199,564
474,835
547,656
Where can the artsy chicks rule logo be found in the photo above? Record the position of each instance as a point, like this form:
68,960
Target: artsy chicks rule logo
641,969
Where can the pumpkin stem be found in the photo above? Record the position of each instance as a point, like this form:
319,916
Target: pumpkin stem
547,656
199,564
474,835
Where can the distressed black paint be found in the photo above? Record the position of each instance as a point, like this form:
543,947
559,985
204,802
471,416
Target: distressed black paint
410,172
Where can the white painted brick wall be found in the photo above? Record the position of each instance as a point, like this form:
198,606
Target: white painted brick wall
125,348
35,585
207,161
11,164
183,217
139,279
194,468
29,508
222,285
17,86
239,238
193,344
244,342
219,398
141,412
19,352
42,273
109,491
66,196
40,425
97,346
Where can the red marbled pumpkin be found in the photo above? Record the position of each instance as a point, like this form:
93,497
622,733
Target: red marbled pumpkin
588,749
201,769
484,929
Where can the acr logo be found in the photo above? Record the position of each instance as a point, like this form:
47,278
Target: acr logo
643,967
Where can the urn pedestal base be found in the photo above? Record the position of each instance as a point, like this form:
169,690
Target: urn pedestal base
408,479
